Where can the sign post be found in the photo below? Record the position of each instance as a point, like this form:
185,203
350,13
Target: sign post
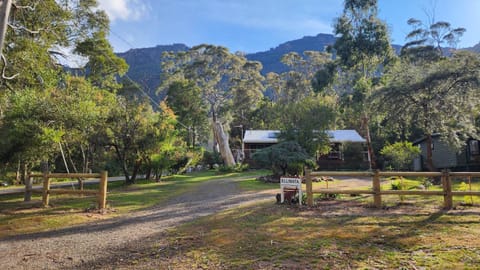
295,183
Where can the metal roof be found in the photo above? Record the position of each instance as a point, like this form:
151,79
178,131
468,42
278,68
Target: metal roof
345,135
261,136
271,136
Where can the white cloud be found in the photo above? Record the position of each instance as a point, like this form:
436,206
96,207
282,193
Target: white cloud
125,10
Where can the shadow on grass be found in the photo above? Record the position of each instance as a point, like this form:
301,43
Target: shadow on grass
141,196
270,236
193,204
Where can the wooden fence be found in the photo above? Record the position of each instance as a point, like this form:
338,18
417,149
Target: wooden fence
46,191
446,180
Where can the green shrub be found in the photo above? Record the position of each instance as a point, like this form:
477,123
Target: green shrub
397,185
467,199
210,158
328,197
232,169
295,168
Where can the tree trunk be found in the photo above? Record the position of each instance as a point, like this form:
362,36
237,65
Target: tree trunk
193,137
148,174
371,154
284,170
5,6
17,174
69,155
136,168
215,137
27,181
429,161
225,150
121,157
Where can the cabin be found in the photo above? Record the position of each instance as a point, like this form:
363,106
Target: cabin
445,157
348,149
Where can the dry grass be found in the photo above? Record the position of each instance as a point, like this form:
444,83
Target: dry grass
345,234
18,217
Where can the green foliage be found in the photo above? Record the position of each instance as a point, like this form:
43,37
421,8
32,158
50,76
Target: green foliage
229,84
329,197
227,80
103,65
426,42
363,49
210,158
31,38
28,129
136,133
397,185
363,41
232,169
465,187
282,155
354,152
430,93
295,168
296,84
434,97
426,182
400,154
185,99
305,122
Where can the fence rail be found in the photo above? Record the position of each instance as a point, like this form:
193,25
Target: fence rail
46,191
446,179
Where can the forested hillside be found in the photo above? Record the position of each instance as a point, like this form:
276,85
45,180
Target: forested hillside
145,65
145,62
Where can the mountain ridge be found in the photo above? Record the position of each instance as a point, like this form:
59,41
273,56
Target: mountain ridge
145,63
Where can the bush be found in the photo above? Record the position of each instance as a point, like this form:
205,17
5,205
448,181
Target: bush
210,158
232,169
400,154
295,168
283,156
328,197
397,185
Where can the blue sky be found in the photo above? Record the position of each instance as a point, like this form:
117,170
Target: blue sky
258,25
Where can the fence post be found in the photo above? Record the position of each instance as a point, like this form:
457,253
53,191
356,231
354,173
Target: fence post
28,188
447,190
377,197
46,189
308,182
102,193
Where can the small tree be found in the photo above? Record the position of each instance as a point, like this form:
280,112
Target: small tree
280,156
400,154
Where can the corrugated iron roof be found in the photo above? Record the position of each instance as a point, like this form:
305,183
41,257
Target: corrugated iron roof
271,136
261,136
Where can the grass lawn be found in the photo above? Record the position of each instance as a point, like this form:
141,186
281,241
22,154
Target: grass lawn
333,235
17,217
346,233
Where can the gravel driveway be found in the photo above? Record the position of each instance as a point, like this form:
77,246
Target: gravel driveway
98,244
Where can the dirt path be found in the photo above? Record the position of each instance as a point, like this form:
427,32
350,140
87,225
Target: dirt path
92,246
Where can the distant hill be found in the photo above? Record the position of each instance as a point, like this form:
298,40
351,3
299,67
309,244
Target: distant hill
271,59
475,48
145,62
145,65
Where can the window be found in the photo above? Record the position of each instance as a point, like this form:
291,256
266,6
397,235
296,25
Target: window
474,150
